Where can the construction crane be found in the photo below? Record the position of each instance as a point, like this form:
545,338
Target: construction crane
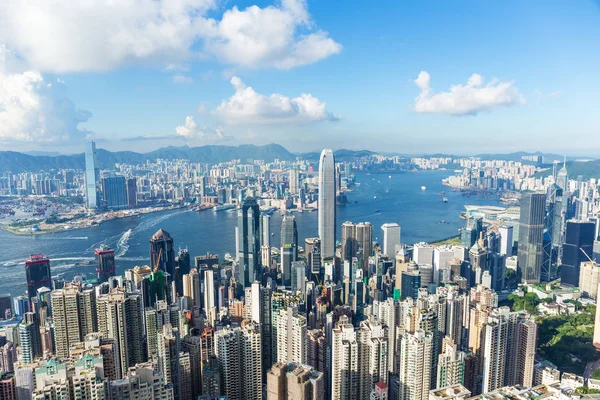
157,260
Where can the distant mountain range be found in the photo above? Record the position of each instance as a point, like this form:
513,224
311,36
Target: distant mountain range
37,161
19,162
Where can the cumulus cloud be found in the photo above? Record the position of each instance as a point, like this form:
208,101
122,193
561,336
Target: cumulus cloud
96,35
469,99
190,130
269,37
246,106
33,108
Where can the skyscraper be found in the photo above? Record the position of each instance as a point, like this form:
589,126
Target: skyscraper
289,247
291,336
191,286
37,273
531,231
114,192
326,204
249,255
106,263
168,357
119,317
161,244
294,181
345,369
415,365
91,176
131,192
240,364
506,241
29,338
74,316
578,247
210,308
391,238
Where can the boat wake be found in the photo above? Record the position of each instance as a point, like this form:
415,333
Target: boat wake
122,244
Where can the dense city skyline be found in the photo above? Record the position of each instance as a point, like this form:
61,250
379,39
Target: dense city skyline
415,76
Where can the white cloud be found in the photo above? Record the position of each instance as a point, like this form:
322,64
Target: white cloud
269,37
468,99
35,109
96,35
180,78
248,107
190,130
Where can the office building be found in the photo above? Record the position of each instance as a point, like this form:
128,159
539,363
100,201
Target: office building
249,256
423,254
415,365
92,176
210,307
357,240
293,381
131,192
326,204
191,287
265,230
291,336
294,180
589,277
506,241
37,274
531,231
21,305
471,232
162,254
289,247
114,192
106,263
577,248
391,239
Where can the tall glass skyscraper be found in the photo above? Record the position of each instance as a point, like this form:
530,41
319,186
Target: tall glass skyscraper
249,241
91,176
531,234
289,247
326,204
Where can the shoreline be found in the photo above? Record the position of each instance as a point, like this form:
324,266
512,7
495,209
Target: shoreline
82,223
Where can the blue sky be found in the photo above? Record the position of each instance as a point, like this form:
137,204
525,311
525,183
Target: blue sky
307,75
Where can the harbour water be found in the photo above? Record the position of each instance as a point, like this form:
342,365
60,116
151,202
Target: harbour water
378,198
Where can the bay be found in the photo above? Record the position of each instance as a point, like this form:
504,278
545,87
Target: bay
379,198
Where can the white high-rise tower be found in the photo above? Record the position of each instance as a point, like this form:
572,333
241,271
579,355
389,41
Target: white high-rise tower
326,203
91,176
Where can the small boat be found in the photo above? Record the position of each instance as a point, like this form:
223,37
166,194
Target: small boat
423,188
377,211
10,264
374,197
390,177
445,200
387,191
